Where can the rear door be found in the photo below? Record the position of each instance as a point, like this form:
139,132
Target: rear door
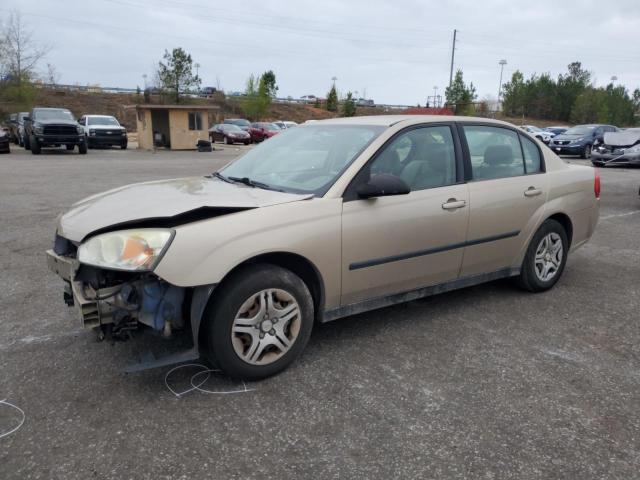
399,243
507,193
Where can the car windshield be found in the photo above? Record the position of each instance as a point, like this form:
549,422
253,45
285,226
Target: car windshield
271,126
534,129
580,130
308,159
231,128
102,121
53,114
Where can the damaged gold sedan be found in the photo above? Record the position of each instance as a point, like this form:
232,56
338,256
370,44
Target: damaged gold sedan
323,221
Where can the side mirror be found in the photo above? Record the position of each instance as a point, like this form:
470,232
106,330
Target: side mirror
383,185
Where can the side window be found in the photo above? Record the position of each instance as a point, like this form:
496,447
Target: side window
532,161
195,121
423,157
495,152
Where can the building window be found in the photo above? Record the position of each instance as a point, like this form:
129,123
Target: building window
195,121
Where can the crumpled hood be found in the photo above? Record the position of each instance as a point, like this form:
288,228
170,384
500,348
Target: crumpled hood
163,199
622,139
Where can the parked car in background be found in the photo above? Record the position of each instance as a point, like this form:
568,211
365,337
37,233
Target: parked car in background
260,131
103,131
21,119
618,148
53,127
243,123
284,124
5,138
579,140
226,132
331,219
12,127
556,130
537,132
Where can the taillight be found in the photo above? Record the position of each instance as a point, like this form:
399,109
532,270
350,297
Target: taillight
596,183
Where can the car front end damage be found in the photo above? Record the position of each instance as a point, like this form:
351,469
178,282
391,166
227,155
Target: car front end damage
119,303
619,148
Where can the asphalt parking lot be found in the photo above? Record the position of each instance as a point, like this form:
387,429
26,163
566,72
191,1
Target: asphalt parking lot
486,382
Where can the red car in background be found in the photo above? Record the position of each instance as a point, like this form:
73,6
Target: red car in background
260,131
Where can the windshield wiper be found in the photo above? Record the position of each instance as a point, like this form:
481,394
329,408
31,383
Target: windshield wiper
253,183
221,177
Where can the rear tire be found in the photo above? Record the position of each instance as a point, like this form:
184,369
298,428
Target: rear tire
545,259
35,146
70,147
258,322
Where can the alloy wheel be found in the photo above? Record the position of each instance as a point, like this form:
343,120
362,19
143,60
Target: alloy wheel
548,257
266,326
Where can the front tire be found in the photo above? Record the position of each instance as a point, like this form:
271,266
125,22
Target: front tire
82,148
586,153
545,259
123,146
35,146
258,322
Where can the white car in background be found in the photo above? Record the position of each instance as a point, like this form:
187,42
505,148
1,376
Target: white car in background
104,131
542,135
284,124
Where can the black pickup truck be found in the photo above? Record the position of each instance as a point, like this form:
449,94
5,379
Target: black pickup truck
53,127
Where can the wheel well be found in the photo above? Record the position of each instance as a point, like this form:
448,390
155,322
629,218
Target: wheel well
565,221
299,265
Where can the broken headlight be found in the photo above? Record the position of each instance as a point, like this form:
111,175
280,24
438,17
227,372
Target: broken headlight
131,250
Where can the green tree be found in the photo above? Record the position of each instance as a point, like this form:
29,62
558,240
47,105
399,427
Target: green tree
256,100
590,107
175,73
514,95
636,100
332,99
569,87
460,95
349,106
268,83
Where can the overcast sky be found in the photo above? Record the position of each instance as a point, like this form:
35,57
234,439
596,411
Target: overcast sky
398,51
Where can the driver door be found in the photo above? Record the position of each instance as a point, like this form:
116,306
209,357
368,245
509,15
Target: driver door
393,244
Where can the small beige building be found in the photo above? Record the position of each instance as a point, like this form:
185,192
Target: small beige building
177,127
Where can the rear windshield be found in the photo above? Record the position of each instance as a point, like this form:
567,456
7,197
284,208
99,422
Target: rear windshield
238,121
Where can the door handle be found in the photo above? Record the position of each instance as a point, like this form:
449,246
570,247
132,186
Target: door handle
453,204
532,192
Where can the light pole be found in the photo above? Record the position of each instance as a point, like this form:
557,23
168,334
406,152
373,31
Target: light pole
435,96
502,63
144,76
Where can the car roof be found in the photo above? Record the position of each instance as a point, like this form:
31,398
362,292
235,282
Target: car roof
390,120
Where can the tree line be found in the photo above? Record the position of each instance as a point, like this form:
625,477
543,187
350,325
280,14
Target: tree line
571,97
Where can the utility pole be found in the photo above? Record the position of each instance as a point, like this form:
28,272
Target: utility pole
453,54
435,96
502,63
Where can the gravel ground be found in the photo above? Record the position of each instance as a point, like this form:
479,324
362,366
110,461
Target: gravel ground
486,382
